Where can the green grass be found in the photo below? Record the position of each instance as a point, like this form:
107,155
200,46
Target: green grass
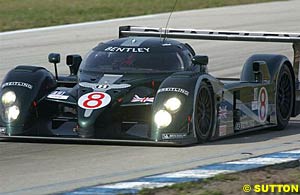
221,178
232,183
20,14
191,187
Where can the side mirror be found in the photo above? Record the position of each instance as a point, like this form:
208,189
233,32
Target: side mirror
73,61
54,58
201,61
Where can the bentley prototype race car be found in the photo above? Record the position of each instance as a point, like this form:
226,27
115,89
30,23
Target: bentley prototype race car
146,87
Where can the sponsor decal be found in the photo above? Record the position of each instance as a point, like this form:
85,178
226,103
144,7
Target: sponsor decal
105,86
94,100
222,130
238,126
166,136
136,98
173,89
263,104
105,83
128,49
2,130
244,125
255,92
222,112
58,95
18,84
254,105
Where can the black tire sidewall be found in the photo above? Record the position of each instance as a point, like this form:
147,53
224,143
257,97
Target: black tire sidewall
204,138
283,122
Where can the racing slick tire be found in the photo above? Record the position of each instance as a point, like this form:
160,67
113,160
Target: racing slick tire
204,112
284,97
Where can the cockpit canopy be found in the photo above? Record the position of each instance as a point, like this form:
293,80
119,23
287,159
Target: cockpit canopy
138,54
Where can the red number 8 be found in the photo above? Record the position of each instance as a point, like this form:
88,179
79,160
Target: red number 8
92,98
263,104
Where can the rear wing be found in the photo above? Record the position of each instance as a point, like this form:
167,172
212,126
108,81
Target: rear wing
294,38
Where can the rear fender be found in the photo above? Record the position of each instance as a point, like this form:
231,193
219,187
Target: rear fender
274,63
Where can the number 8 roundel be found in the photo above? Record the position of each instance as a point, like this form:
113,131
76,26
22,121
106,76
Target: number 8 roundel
94,100
263,104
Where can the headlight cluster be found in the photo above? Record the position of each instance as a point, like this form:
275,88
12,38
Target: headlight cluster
173,104
8,98
11,111
163,117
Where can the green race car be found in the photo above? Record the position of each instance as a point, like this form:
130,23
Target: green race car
146,87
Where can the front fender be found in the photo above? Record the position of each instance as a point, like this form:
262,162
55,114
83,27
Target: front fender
30,84
184,86
180,85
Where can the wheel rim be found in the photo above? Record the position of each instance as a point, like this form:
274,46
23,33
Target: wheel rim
284,95
204,112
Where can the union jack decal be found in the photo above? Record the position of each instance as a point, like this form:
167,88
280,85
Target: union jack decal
136,98
222,112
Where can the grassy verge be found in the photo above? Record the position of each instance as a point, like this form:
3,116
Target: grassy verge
232,184
21,14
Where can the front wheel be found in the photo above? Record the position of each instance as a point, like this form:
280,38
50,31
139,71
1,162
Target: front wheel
204,112
284,97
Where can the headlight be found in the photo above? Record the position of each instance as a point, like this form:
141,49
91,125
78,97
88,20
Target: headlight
173,104
12,113
8,98
162,118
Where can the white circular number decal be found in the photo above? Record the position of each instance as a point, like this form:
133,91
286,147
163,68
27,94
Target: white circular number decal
94,100
263,104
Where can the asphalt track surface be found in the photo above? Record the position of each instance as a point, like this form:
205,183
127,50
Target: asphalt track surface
41,168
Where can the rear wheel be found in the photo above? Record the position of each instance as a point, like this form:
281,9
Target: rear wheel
284,97
204,112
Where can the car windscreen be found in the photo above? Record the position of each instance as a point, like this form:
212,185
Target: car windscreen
132,62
